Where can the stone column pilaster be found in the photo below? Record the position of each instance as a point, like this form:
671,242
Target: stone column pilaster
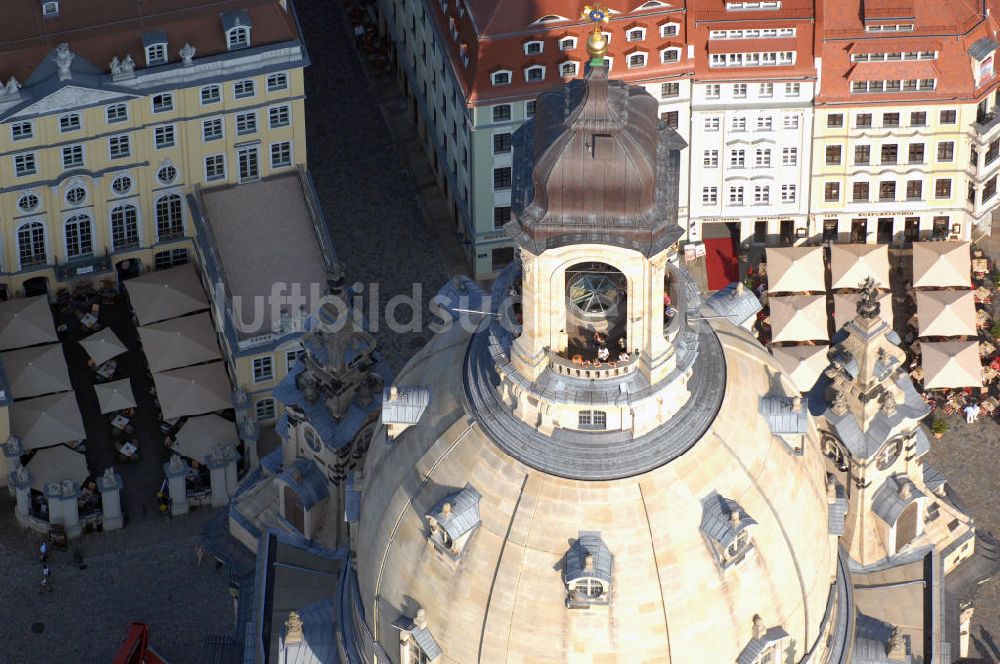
176,472
110,485
71,508
20,482
217,472
12,452
230,456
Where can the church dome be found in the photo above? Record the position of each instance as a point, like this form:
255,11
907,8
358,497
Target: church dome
715,554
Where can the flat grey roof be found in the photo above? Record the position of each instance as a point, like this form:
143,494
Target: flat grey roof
264,234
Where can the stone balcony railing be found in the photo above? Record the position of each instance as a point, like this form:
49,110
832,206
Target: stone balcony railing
591,370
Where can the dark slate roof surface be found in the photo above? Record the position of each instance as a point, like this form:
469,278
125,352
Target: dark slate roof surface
781,415
756,646
715,521
589,542
464,512
307,481
422,636
983,47
888,504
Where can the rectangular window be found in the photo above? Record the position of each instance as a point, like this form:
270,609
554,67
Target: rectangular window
671,119
20,131
835,120
243,89
890,119
281,154
990,189
863,120
859,192
948,117
119,147
762,158
248,159
831,192
789,156
890,153
739,124
791,122
711,158
277,82
211,130
668,90
766,90
792,89
942,188
291,359
263,369
277,116
736,195
788,193
709,195
163,102
914,190
911,229
862,154
529,109
501,178
764,123
712,124
501,215
246,123
918,119
916,153
215,167
740,90
939,227
164,137
501,143
832,155
713,91
946,151
737,159
24,164
761,195
72,156
887,190
211,94
264,410
117,113
501,113
69,122
592,419
501,257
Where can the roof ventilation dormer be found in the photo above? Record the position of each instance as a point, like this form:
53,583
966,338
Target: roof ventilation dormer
50,9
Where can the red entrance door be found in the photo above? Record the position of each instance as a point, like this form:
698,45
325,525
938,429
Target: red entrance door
721,264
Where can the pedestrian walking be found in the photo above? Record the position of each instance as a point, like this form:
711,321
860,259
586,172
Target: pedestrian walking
43,552
45,587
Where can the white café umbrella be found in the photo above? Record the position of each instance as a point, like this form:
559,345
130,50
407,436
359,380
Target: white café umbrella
795,269
804,364
942,265
203,388
55,464
202,434
26,321
166,294
179,342
32,372
103,345
46,421
946,313
115,396
851,264
798,318
951,364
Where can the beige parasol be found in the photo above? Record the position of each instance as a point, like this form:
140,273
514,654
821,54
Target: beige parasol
941,265
946,313
795,269
115,396
55,464
798,318
179,342
46,421
103,345
26,321
203,388
803,364
951,364
32,372
166,294
200,435
851,264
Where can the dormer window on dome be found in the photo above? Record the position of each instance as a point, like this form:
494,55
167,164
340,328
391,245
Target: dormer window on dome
454,520
155,45
898,504
237,28
588,571
766,645
787,418
727,529
416,643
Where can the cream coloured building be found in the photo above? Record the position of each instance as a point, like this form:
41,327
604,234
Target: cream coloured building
110,115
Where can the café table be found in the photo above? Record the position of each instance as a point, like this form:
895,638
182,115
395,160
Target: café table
129,450
119,421
107,370
88,321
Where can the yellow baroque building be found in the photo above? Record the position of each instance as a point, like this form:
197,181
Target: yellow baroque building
109,119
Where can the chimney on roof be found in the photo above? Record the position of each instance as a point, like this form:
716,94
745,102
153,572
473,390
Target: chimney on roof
588,561
420,620
734,517
446,510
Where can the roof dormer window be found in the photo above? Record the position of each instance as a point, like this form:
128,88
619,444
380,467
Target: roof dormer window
155,44
237,28
670,29
727,528
637,60
567,43
568,69
635,34
50,9
501,77
534,73
453,521
416,643
533,47
588,571
766,645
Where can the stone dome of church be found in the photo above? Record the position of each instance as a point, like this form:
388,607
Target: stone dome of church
719,552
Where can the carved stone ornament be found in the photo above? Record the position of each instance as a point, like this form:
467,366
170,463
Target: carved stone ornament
128,64
11,89
109,476
187,54
176,464
63,59
888,404
115,66
22,476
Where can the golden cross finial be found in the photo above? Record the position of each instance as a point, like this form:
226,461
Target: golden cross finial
597,43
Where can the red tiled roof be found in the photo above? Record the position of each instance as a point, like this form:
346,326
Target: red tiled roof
891,71
751,45
101,30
